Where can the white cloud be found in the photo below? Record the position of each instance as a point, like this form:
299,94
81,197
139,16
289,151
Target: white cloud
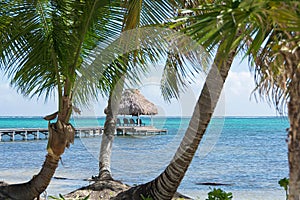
239,83
239,101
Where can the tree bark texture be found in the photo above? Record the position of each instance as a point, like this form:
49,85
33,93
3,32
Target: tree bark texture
36,185
290,53
166,184
111,112
294,136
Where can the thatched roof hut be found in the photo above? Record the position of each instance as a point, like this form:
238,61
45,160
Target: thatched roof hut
134,103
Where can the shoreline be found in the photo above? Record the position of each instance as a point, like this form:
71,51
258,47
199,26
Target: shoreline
67,186
187,193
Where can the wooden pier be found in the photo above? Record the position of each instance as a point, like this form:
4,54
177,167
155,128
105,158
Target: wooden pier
42,133
140,130
19,134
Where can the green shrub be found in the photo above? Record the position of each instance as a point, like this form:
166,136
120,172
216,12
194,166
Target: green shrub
285,184
218,194
61,197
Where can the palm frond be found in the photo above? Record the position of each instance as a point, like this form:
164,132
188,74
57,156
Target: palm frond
138,50
43,43
153,44
267,28
46,45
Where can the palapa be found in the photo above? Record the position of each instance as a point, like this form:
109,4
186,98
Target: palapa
134,103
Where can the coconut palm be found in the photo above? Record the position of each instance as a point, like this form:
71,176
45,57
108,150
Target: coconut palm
44,45
47,48
144,13
277,77
166,184
239,26
137,14
271,40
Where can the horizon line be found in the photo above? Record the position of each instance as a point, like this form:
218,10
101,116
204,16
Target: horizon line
184,116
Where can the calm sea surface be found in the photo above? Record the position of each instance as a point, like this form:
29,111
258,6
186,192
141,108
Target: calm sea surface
248,154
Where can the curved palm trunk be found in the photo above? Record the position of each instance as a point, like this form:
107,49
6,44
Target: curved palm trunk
36,185
294,131
131,21
106,146
111,112
166,184
60,136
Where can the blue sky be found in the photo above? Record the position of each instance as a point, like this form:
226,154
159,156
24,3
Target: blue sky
236,99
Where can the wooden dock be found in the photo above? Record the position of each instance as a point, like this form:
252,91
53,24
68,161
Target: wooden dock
42,133
140,130
19,134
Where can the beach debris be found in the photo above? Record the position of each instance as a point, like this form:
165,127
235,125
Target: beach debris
214,184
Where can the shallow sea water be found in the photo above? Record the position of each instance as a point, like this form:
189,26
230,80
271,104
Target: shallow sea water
248,154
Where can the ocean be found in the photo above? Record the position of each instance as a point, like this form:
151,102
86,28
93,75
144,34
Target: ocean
247,154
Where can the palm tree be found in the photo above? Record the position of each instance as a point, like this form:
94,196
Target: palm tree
137,13
143,13
44,45
47,48
278,77
238,25
271,40
166,184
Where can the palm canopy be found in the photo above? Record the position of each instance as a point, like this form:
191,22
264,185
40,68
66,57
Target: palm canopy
265,29
48,46
44,42
143,41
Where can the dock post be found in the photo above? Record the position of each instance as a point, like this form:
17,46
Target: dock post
37,134
25,136
13,136
0,136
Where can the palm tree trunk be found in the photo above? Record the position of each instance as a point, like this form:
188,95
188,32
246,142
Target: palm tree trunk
36,185
131,21
111,112
166,184
60,136
106,145
294,136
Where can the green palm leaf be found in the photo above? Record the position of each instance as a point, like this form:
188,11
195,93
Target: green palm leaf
49,47
262,29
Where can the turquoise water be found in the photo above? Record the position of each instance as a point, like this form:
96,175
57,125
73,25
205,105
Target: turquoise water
249,154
